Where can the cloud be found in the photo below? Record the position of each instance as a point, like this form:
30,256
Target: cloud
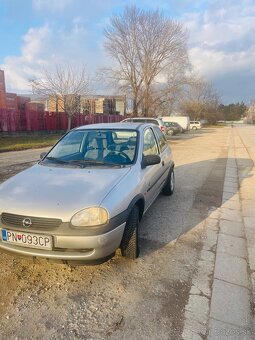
222,45
44,47
19,70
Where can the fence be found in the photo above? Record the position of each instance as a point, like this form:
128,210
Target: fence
33,121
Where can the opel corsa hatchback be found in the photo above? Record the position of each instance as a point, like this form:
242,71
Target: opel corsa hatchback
86,196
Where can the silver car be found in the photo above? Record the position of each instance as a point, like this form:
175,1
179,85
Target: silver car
86,196
157,121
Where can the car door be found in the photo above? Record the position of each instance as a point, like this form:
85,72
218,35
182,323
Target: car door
150,174
165,155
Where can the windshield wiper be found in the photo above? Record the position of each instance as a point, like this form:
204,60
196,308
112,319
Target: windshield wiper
82,162
91,162
57,160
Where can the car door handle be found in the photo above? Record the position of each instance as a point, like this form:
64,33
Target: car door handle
163,163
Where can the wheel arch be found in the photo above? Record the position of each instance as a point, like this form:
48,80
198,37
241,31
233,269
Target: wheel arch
140,202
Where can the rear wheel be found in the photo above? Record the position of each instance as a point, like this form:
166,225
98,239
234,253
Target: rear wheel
168,188
170,132
194,128
129,244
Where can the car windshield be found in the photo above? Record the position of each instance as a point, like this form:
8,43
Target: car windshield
106,147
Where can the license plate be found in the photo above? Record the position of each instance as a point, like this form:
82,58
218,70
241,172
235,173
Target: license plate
27,239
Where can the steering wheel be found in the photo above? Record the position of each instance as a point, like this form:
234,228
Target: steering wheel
119,153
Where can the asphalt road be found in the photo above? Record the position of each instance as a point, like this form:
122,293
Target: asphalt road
120,299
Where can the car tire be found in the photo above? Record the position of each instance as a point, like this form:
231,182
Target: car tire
194,128
168,188
129,244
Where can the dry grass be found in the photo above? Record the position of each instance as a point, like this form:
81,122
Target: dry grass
27,142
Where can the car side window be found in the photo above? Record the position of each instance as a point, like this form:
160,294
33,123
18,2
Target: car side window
149,143
161,139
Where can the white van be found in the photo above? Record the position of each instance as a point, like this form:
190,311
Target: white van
195,124
181,120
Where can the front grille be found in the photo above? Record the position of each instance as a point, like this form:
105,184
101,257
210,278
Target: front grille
13,220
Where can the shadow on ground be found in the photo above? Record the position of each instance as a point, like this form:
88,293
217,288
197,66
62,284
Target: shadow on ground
190,134
170,217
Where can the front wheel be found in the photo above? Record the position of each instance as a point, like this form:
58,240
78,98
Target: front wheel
129,244
168,188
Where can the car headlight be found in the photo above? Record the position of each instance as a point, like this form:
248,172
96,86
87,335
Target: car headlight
90,217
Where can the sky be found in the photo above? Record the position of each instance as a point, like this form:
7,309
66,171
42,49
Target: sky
37,34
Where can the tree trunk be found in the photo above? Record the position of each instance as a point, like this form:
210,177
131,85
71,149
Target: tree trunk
69,123
146,103
135,108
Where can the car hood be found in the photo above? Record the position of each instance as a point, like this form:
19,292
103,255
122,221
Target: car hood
57,192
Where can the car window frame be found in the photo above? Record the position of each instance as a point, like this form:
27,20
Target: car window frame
151,128
157,139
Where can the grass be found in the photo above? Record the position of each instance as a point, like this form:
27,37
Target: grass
27,142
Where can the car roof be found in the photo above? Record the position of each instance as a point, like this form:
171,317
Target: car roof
145,118
120,126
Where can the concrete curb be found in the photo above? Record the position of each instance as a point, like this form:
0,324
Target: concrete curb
219,305
230,309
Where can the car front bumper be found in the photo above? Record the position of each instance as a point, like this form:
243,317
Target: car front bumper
71,247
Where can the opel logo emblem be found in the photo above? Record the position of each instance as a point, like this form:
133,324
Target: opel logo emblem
27,222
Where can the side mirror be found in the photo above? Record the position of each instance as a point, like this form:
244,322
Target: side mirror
150,160
43,154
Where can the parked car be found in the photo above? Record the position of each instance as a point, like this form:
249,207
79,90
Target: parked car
195,124
86,196
156,121
182,120
175,127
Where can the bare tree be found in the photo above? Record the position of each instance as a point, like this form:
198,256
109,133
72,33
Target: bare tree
145,44
64,86
201,100
121,37
166,94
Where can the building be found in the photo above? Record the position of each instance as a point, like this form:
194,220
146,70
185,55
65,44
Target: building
103,104
2,82
8,100
57,104
34,106
22,101
11,101
90,104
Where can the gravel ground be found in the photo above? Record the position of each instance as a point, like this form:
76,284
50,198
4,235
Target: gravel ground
120,299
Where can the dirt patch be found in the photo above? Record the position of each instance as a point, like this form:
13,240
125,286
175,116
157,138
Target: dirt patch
118,299
7,172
